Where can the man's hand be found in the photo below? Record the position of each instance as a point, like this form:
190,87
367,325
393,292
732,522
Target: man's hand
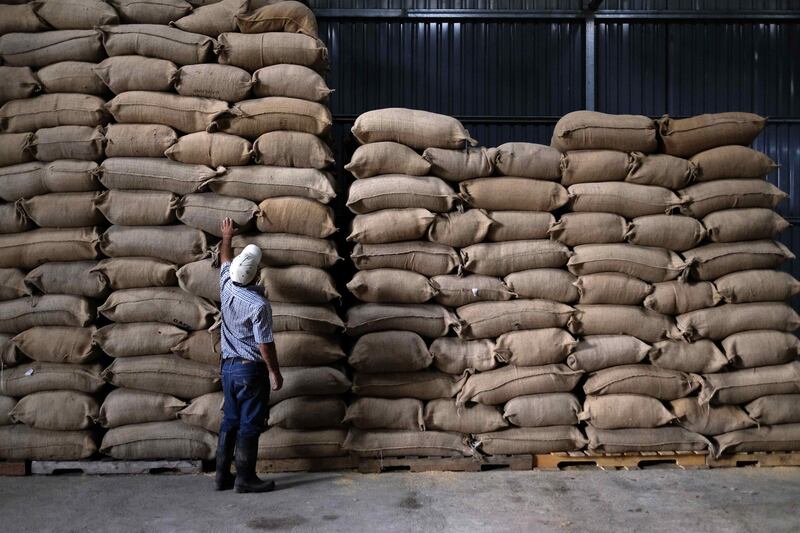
277,380
228,228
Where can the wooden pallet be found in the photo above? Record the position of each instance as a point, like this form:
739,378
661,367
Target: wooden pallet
616,461
762,459
444,464
112,467
310,464
14,468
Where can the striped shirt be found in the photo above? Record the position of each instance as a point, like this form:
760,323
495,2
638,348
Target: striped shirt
246,318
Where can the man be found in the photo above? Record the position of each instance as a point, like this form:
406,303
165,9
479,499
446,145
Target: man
248,354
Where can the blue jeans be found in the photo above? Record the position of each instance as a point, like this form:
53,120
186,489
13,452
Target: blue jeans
245,386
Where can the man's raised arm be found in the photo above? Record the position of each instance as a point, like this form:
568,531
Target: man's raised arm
225,248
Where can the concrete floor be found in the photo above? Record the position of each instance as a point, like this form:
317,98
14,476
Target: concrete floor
744,499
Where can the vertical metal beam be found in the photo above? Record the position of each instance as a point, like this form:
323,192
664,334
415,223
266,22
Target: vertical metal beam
591,53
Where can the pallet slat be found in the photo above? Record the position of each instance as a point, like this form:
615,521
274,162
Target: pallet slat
116,467
760,459
310,464
627,461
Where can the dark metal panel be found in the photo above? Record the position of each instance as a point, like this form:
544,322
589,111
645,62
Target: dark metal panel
782,143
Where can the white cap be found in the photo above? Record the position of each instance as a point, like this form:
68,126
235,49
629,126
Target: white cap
245,265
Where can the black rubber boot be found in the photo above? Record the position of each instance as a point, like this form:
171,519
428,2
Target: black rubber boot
225,448
246,478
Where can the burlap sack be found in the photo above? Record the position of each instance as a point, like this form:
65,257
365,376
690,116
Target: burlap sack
673,232
518,225
596,352
502,259
292,214
123,407
20,19
169,374
139,338
619,411
71,176
71,77
688,136
380,443
625,199
535,347
423,385
310,381
69,142
159,440
278,443
211,149
144,173
7,403
460,165
588,166
499,386
389,285
542,410
149,12
377,158
643,324
757,286
492,319
33,248
428,320
204,412
395,191
704,198
715,260
641,379
15,148
169,305
298,284
13,218
256,183
74,411
64,210
784,437
153,40
9,354
445,415
38,377
76,14
708,420
285,249
186,114
253,118
384,413
176,244
726,162
73,277
45,48
544,283
460,229
212,19
702,356
205,211
531,440
528,160
456,291
12,284
300,348
574,229
48,310
390,351
644,440
219,82
19,442
646,263
731,225
308,412
661,170
426,258
677,297
292,149
591,130
137,208
293,17
51,110
391,225
414,128
135,73
17,83
775,409
292,81
743,386
521,194
612,288
254,51
200,278
55,344
311,318
761,348
137,272
204,347
456,356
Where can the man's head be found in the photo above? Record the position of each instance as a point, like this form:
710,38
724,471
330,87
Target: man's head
244,266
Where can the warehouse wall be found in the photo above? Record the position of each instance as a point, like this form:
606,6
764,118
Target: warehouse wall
509,68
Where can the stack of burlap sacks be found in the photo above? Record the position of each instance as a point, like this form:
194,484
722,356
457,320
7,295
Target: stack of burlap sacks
239,139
